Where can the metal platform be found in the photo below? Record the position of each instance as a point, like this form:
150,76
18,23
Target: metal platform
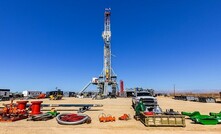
163,120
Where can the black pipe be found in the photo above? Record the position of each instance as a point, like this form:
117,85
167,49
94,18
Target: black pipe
69,105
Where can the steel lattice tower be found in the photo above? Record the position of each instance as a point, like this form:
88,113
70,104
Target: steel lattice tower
108,77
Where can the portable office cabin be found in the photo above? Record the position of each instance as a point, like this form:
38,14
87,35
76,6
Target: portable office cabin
31,93
4,94
69,94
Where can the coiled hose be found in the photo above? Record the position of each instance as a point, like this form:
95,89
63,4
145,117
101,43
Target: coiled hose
72,119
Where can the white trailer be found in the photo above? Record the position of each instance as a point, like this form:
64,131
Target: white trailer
27,93
4,94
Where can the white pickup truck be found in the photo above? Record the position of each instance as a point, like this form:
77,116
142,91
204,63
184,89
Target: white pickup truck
149,101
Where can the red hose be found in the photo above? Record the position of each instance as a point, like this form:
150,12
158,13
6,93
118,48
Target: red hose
72,117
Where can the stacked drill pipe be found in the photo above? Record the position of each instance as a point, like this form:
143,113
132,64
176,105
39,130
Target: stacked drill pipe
71,105
196,99
180,98
207,99
82,107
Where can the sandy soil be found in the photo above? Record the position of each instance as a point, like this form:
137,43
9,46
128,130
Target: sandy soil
115,107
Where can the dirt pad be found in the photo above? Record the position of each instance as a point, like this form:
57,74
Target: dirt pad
115,107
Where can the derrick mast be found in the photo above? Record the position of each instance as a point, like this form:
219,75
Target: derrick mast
107,46
108,77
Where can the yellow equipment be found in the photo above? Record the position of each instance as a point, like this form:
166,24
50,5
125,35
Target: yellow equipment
55,97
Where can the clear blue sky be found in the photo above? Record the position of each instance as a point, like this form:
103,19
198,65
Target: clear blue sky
57,43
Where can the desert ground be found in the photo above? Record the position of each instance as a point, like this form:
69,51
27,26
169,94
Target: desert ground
115,107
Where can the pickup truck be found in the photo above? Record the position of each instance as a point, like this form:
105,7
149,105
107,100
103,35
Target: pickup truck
149,101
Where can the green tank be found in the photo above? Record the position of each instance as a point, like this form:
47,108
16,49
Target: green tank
140,107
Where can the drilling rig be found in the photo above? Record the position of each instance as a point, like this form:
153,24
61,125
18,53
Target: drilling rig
108,78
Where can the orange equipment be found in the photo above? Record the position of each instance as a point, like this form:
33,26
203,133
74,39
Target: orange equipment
103,118
41,96
110,118
12,112
124,117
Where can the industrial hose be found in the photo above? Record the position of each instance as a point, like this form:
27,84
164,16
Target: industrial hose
40,117
72,119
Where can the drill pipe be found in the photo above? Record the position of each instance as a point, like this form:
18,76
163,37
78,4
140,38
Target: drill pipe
70,105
